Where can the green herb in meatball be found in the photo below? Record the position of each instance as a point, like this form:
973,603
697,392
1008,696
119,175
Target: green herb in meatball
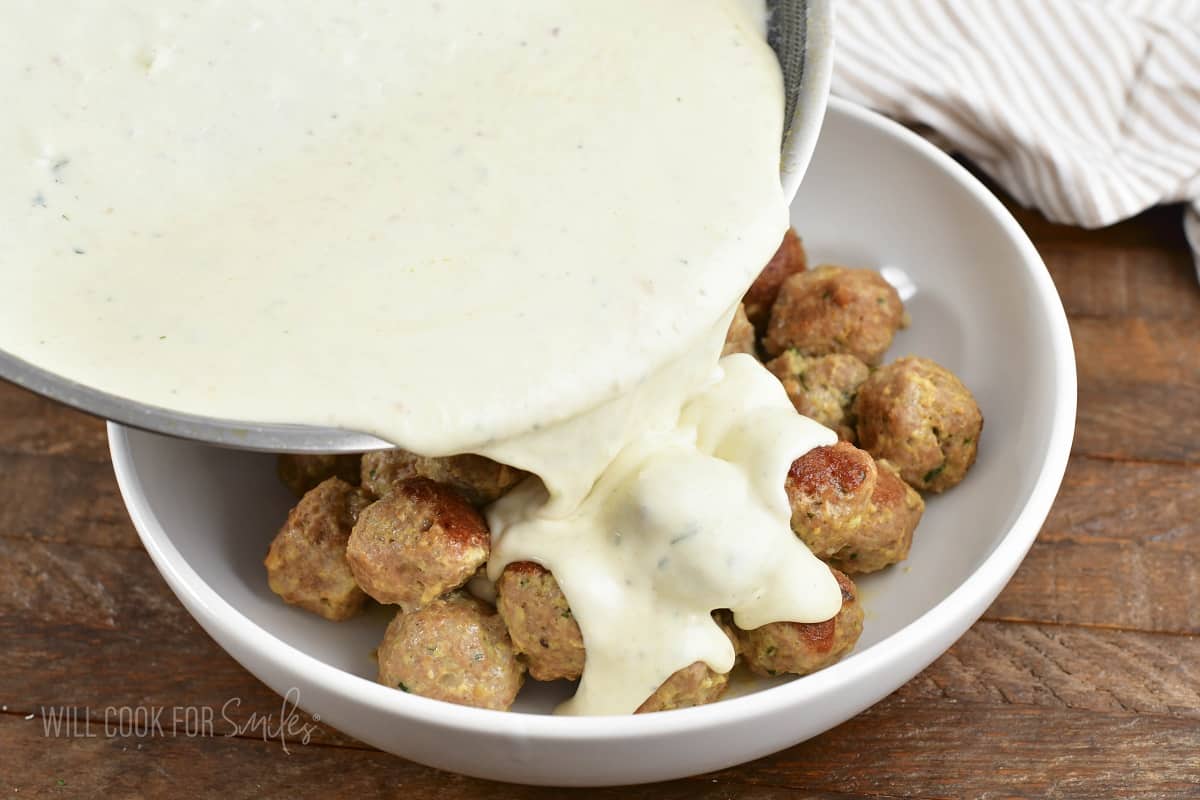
799,648
306,564
478,479
835,310
822,387
540,622
696,684
916,414
886,533
420,541
454,649
829,489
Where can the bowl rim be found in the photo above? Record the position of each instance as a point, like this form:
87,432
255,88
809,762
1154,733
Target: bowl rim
953,614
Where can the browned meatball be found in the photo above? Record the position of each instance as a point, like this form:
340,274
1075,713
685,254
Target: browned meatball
740,338
695,685
480,479
454,649
306,564
886,533
787,261
301,472
540,621
829,489
919,416
835,310
420,541
803,647
822,387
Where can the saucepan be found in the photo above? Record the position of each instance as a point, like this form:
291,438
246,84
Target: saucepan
799,32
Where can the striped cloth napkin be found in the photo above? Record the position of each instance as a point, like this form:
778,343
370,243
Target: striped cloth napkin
1088,110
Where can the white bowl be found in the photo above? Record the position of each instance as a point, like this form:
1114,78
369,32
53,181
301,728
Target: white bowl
875,195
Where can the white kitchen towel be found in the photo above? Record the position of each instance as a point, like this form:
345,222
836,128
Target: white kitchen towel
1088,110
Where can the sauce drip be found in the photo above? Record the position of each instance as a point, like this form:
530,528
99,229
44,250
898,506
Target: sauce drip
686,519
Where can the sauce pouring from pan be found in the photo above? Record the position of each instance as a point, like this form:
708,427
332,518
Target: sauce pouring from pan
796,31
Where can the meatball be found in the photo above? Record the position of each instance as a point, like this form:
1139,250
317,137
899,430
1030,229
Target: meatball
454,649
919,416
787,261
886,533
822,387
695,685
740,338
301,472
835,310
306,564
480,479
829,489
420,541
803,647
540,621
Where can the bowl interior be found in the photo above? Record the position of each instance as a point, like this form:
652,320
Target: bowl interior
873,198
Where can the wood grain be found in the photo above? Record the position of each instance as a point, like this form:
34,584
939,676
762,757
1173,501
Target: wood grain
98,627
1142,282
1063,739
64,499
986,751
996,663
1139,388
1067,668
217,766
35,427
1121,548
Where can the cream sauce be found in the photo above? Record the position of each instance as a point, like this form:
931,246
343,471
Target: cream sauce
455,226
686,519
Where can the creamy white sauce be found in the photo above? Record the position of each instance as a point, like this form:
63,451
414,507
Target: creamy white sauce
687,519
465,227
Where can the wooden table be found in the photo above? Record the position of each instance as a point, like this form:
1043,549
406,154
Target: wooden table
1083,680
